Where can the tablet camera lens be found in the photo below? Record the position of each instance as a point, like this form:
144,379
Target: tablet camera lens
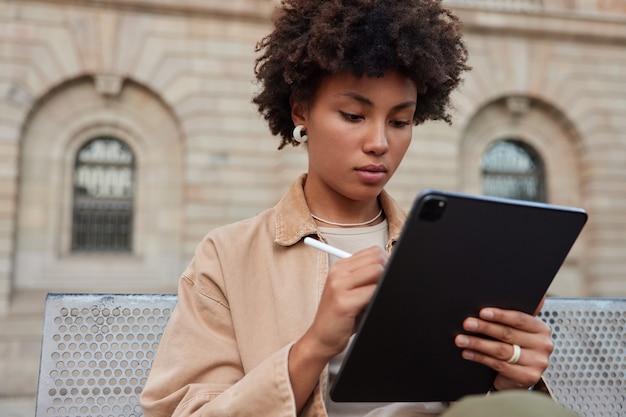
432,209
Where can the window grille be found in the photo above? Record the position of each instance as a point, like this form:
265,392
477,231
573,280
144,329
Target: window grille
513,169
103,197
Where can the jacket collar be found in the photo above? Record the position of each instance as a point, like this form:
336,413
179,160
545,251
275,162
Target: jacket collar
294,221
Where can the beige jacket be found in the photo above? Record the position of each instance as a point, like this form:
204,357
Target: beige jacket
251,290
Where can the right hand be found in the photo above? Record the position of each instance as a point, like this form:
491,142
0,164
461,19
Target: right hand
349,287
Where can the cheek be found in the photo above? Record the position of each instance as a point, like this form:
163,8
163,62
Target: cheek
396,155
323,151
401,146
332,141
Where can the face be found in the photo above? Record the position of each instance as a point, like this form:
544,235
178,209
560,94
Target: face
359,130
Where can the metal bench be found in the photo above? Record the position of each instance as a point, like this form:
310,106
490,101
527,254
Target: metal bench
587,371
97,350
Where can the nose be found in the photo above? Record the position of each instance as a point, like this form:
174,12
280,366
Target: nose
377,142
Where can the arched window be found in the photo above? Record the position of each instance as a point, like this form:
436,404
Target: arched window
513,169
102,220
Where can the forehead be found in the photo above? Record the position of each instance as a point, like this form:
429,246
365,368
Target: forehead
391,86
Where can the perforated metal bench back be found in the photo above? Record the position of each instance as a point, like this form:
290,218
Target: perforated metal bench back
587,371
97,351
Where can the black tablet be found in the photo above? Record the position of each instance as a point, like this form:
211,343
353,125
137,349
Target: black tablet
457,253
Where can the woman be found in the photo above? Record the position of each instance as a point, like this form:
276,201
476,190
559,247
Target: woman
260,315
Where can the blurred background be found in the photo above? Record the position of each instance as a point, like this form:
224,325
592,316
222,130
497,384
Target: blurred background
127,133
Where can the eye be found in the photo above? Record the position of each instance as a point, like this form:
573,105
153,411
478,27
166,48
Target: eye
400,123
351,117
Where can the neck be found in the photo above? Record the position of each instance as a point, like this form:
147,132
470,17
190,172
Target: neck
372,221
331,209
354,215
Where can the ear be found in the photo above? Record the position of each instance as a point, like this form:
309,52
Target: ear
298,112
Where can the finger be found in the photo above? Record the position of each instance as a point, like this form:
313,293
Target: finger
484,330
497,354
514,319
530,366
372,254
491,348
365,269
519,375
509,326
346,280
366,277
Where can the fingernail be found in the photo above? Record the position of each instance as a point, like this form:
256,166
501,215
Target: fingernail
471,324
488,314
468,355
462,341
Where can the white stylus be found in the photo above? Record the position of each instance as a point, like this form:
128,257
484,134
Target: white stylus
326,248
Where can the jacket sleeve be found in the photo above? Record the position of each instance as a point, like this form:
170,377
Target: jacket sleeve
197,370
543,387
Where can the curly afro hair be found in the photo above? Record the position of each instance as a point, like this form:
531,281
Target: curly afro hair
314,38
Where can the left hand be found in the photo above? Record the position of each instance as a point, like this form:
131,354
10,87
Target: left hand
508,327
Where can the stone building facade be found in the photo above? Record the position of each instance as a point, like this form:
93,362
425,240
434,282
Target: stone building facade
172,81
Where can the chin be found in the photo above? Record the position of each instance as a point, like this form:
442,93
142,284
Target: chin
366,192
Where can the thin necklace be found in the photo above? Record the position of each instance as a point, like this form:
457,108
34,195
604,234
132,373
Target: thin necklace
348,224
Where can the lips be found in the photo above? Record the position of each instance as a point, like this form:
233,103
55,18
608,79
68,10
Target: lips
373,168
372,173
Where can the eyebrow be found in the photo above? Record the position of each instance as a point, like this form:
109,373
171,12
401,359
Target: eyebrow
364,100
